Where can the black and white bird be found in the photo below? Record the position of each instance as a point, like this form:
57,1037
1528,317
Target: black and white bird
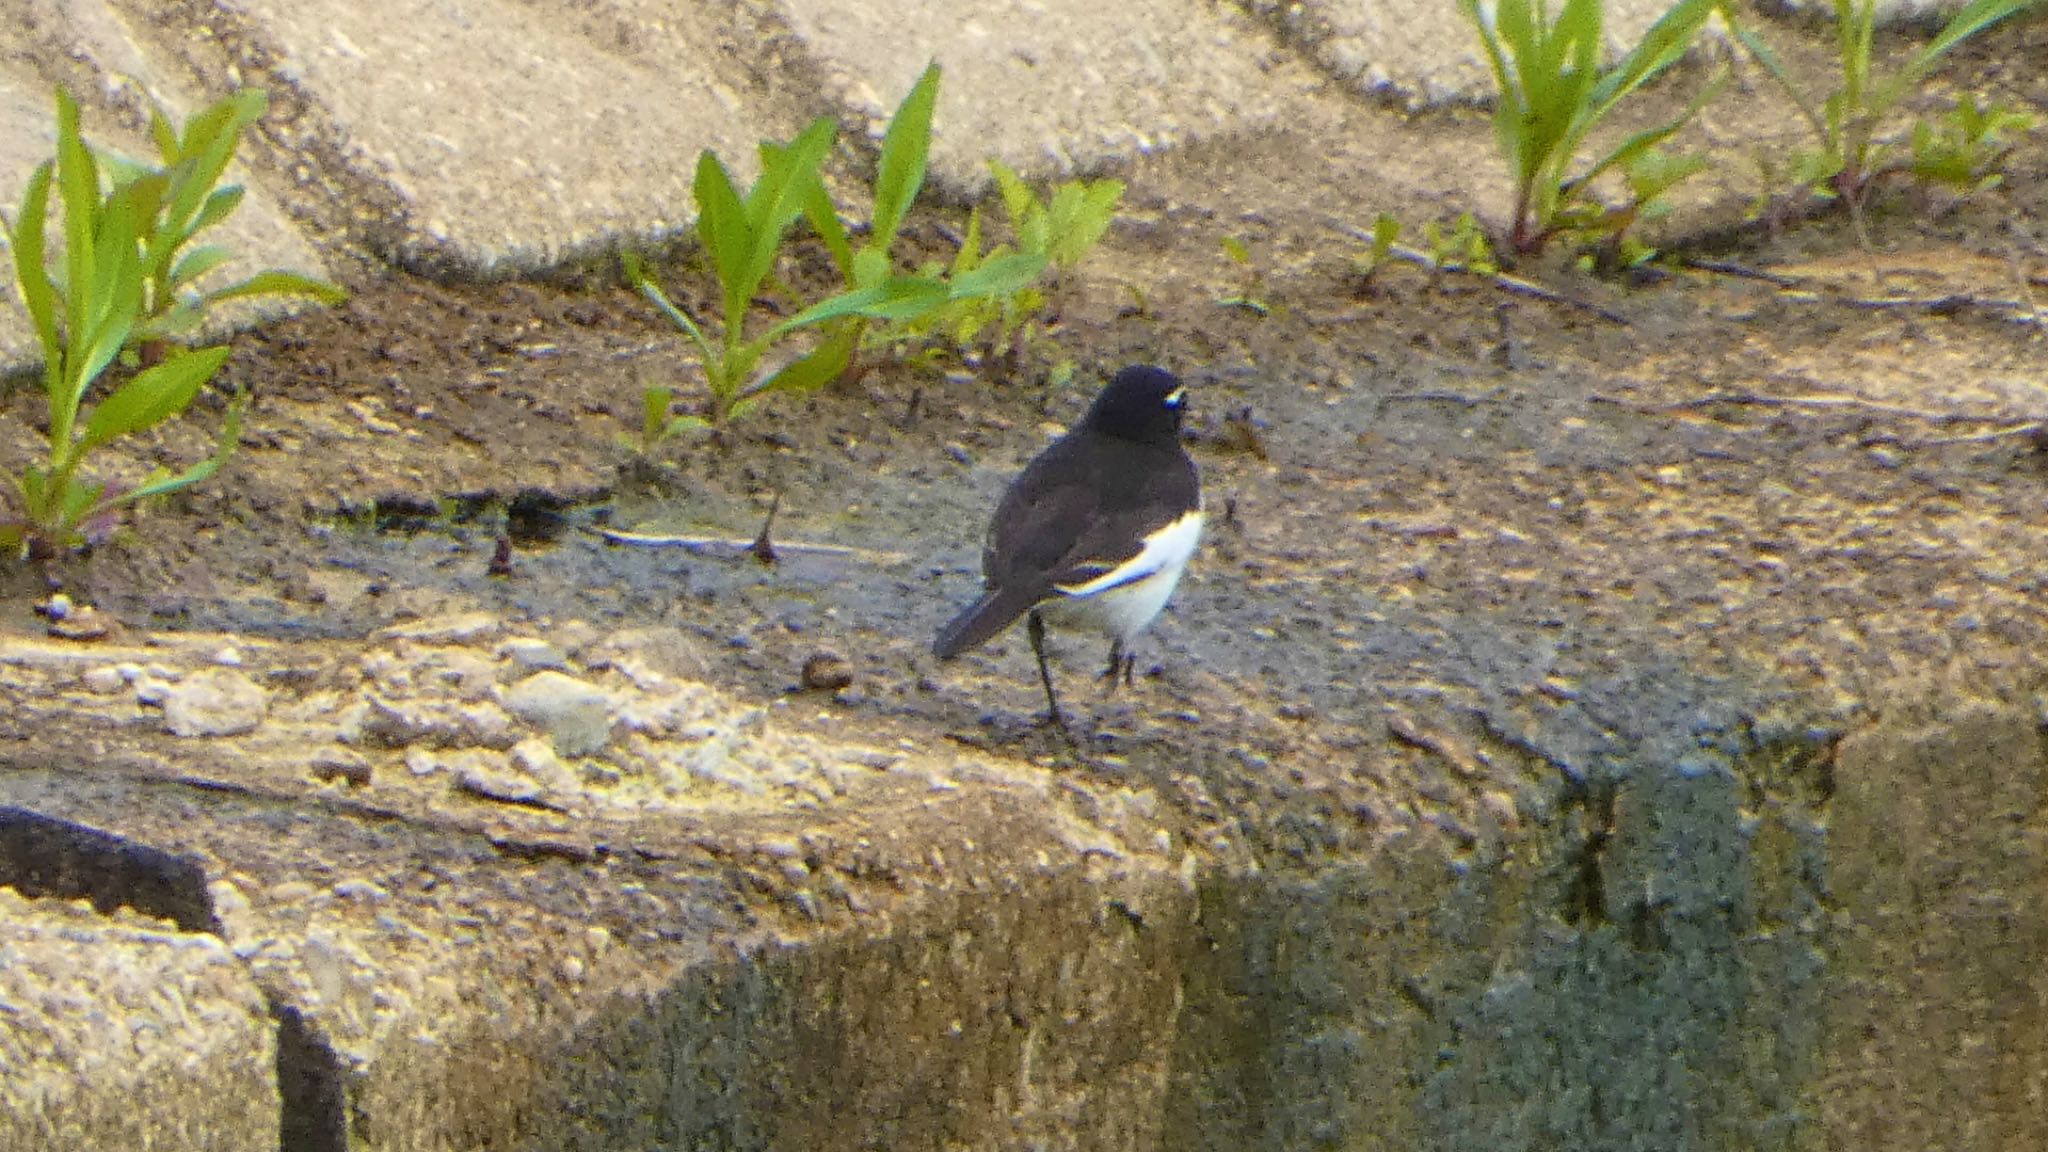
1095,532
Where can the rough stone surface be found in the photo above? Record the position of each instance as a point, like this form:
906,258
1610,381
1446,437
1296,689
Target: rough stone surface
577,715
1054,88
1934,1029
443,993
505,136
125,1033
519,133
214,702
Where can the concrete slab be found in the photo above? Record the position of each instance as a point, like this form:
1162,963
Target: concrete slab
655,977
1054,86
25,140
515,135
123,1033
1416,54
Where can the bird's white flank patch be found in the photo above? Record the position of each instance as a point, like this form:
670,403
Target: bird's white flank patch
1123,600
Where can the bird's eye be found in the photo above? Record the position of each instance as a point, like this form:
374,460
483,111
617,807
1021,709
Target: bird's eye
1176,398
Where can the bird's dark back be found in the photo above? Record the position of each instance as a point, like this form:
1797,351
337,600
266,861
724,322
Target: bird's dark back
1084,497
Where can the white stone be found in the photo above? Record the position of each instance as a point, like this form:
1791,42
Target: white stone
214,702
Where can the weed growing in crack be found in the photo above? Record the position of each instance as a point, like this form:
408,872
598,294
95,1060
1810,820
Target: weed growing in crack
122,289
973,280
1965,148
743,236
1251,291
880,305
1550,93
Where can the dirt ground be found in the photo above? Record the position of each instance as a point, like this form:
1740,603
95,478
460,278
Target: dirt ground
1439,510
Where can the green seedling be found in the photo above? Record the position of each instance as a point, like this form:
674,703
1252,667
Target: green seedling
743,236
1386,230
1063,227
1057,231
1052,233
1251,293
1965,149
1551,93
990,324
85,314
1465,248
182,196
972,280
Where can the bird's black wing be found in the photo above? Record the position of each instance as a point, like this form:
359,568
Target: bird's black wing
1081,509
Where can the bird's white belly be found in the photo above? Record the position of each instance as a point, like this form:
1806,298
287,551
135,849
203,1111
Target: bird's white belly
1121,607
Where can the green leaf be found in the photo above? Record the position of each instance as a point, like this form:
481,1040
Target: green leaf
1654,172
896,299
38,293
1001,275
1663,45
162,481
163,135
824,220
34,484
740,407
1085,224
1018,202
217,207
114,300
870,267
906,148
778,198
685,423
199,261
276,283
154,395
1385,230
636,275
969,255
79,191
75,502
208,146
654,405
1235,249
724,232
819,367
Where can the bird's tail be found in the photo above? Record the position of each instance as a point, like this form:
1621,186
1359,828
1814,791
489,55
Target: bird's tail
980,622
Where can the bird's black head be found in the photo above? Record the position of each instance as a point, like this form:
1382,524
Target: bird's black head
1143,403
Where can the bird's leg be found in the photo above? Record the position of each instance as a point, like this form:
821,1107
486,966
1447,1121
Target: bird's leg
1035,628
1116,665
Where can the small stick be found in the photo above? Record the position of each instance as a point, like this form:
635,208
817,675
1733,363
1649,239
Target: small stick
737,547
2029,428
1822,402
763,548
1441,395
1742,271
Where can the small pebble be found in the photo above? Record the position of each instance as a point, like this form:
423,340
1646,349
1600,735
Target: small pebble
341,764
826,672
79,623
103,681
